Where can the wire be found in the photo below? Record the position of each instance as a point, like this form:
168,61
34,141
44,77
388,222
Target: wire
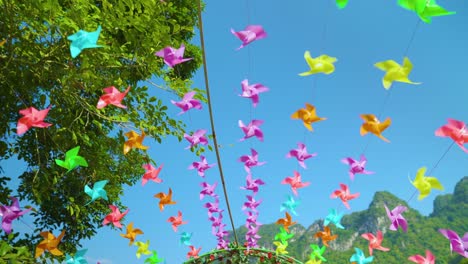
215,141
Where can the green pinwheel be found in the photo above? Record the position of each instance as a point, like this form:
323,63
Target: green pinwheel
72,160
425,9
283,236
154,259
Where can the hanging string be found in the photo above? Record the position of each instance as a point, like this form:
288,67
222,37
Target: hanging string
215,140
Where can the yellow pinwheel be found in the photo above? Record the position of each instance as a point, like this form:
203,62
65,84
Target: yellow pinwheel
425,184
395,72
142,248
321,64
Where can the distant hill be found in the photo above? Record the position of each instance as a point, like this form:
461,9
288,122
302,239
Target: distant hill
450,212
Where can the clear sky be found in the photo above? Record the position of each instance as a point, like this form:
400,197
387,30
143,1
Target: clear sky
363,33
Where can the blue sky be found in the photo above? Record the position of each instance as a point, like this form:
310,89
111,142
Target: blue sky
358,36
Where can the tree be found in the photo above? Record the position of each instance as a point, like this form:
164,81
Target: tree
36,69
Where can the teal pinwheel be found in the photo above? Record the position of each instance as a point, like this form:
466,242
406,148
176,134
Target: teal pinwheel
78,258
72,160
360,258
333,217
83,40
185,238
97,191
290,204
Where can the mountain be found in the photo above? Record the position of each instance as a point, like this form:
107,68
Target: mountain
450,212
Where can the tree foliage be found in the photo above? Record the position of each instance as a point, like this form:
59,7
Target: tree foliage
36,69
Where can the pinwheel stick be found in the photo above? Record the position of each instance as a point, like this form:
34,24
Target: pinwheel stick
215,141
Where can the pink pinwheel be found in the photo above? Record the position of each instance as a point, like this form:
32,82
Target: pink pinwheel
172,56
295,182
375,242
252,129
188,103
193,253
396,218
300,154
356,166
112,96
252,185
429,259
344,194
251,161
251,33
252,91
176,221
208,190
10,213
151,174
32,118
201,166
456,130
114,217
196,138
251,203
457,244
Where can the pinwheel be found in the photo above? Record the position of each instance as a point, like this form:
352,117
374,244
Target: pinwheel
252,91
50,243
396,218
375,241
172,56
188,102
249,34
83,40
251,160
134,141
333,217
72,160
115,216
326,236
295,182
32,118
308,116
198,137
456,130
429,259
321,64
112,96
97,191
344,195
395,72
142,248
164,199
424,184
360,258
356,167
151,174
131,233
373,125
300,154
201,166
10,213
457,244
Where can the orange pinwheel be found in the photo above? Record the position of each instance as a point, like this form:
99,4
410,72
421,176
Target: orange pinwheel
164,199
176,221
49,243
131,233
325,235
286,222
308,116
373,125
134,141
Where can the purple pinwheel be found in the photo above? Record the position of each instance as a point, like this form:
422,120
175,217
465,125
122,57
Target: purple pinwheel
187,103
396,218
172,56
196,138
252,185
252,129
251,33
212,207
252,218
216,221
251,161
300,154
356,166
10,213
251,203
208,190
252,91
201,166
457,244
